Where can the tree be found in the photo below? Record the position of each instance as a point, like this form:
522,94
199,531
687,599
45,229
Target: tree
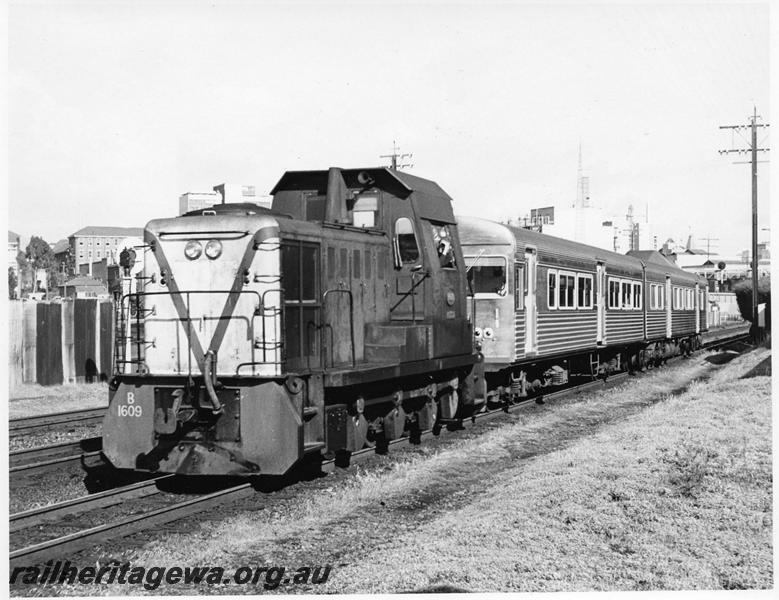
743,293
40,256
12,282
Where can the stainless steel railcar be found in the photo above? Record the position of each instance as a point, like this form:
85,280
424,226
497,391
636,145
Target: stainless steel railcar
545,307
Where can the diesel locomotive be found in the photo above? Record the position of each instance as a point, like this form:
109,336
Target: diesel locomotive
358,310
254,338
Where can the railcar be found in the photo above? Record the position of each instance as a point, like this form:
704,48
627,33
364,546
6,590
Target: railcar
254,339
545,308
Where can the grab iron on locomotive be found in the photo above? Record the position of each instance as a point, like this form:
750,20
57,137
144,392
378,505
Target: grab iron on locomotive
358,310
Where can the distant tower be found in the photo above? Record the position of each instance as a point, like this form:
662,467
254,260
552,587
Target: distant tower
583,186
582,202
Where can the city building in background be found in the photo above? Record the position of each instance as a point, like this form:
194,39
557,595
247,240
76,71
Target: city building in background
95,243
221,194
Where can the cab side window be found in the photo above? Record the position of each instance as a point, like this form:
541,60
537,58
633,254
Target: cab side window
405,242
442,241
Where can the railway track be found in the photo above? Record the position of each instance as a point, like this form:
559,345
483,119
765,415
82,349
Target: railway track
68,543
43,458
28,425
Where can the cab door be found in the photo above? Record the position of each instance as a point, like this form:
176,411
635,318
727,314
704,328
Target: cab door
409,277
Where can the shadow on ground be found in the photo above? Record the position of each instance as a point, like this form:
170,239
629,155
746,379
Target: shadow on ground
721,358
762,369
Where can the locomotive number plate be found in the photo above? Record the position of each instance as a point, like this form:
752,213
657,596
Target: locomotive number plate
130,409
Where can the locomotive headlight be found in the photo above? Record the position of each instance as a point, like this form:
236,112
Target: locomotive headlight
193,249
489,333
214,249
477,332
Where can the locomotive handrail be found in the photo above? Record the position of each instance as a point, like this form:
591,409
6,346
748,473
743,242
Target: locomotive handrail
138,321
351,316
411,293
279,311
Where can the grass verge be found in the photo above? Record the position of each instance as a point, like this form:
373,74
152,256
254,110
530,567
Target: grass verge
629,489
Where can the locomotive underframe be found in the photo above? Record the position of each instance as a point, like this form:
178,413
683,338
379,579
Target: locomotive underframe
267,425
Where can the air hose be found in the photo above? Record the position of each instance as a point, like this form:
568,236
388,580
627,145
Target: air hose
209,365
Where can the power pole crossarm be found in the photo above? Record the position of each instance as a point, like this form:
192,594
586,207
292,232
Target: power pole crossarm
753,149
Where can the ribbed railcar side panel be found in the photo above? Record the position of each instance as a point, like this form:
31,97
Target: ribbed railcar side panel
622,327
519,334
683,322
564,331
655,324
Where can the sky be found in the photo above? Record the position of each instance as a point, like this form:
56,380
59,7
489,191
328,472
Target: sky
114,110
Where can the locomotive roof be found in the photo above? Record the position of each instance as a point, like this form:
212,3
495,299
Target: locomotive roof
398,183
234,208
429,199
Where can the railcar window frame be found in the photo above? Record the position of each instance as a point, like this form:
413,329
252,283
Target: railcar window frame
551,289
587,296
475,264
519,286
637,295
566,294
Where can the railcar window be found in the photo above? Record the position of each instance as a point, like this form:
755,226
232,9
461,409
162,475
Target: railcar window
613,293
637,296
584,290
368,256
406,241
519,287
627,301
442,240
487,275
551,295
567,289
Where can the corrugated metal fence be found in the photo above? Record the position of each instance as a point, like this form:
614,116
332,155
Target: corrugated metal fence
66,341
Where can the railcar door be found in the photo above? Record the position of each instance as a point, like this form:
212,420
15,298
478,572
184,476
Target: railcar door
407,298
531,306
668,306
697,308
600,295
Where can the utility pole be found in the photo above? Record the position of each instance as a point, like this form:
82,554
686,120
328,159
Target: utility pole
753,149
395,156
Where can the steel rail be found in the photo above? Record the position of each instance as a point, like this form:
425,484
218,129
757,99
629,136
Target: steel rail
24,425
39,454
67,544
53,512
